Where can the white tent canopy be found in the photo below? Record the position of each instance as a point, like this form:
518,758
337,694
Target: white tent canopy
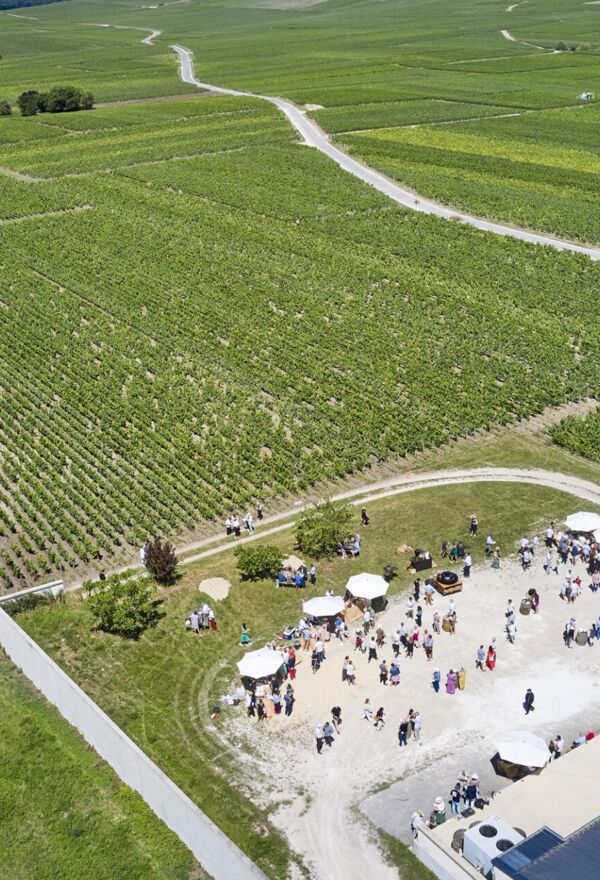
583,522
367,586
526,749
260,664
324,606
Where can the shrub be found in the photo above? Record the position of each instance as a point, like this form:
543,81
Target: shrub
29,102
259,561
5,108
161,561
124,606
322,527
562,46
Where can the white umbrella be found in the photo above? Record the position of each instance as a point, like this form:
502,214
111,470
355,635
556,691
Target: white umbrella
261,663
583,522
292,562
367,586
596,534
324,606
523,748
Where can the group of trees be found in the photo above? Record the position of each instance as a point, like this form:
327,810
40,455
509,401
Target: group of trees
60,99
126,604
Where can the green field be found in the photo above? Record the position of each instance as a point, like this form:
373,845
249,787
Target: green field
580,435
219,314
63,812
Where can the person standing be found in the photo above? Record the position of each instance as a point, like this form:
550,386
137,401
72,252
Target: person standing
410,607
419,616
395,639
383,673
259,511
417,589
474,525
451,680
319,736
288,699
428,591
313,574
569,632
489,545
328,733
336,718
367,618
403,733
195,622
235,525
428,644
320,649
558,746
350,673
417,723
435,680
378,720
394,673
364,517
528,702
372,649
511,631
249,522
480,658
260,710
455,795
467,565
490,660
471,791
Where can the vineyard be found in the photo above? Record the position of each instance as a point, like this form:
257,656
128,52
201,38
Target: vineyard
231,318
580,435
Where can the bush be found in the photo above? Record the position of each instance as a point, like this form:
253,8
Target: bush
5,108
322,527
259,561
124,606
29,102
562,46
161,561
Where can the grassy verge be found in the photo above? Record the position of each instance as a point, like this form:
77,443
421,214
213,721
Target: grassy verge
399,855
160,689
63,812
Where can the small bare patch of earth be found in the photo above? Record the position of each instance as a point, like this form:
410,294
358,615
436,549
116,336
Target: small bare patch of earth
217,588
283,5
311,107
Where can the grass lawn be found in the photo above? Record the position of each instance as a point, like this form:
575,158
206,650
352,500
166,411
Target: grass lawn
160,689
63,812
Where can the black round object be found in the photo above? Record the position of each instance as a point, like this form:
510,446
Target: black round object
503,844
488,831
447,577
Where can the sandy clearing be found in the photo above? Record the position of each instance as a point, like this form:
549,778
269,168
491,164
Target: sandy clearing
216,587
457,729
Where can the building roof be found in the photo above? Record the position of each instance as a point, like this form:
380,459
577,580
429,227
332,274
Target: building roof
576,857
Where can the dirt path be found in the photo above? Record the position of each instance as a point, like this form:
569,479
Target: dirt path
314,136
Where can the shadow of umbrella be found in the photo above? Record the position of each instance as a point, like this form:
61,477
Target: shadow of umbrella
511,771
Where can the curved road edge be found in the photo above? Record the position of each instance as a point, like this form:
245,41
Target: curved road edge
314,136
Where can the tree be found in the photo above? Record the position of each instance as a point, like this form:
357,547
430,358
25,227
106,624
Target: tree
63,99
124,605
161,561
29,102
87,101
259,561
322,527
5,108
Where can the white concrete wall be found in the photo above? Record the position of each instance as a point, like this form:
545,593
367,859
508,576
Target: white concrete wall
54,588
215,852
441,859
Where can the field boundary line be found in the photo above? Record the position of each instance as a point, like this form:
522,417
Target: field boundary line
76,209
217,854
314,136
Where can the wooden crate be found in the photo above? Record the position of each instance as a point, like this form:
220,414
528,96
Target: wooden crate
448,589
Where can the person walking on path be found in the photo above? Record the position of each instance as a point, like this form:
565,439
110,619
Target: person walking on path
511,631
319,737
428,592
336,718
436,622
528,702
395,639
419,616
288,699
378,721
490,660
410,607
350,672
480,658
395,673
383,673
367,710
328,733
364,517
417,589
474,525
435,680
489,545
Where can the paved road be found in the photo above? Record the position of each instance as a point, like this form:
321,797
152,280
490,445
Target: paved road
314,136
